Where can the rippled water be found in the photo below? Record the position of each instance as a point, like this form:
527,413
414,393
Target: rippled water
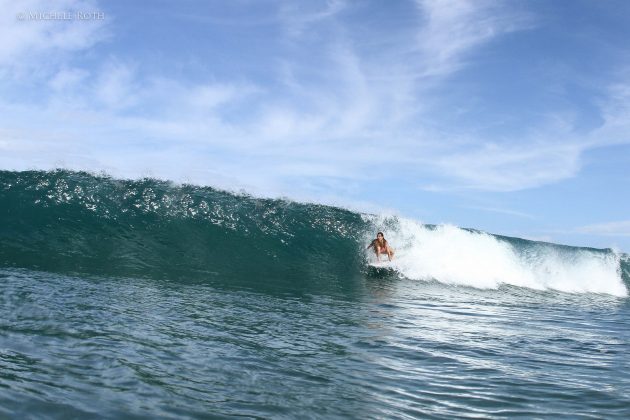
389,347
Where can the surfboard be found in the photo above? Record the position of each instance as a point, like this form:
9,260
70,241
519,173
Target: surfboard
381,264
381,269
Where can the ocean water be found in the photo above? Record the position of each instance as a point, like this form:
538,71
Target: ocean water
144,299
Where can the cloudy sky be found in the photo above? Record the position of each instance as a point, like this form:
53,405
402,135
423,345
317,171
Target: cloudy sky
511,117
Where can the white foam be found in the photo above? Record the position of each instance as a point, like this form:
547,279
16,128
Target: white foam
456,256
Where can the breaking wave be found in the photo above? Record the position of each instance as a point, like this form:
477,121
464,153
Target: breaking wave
75,222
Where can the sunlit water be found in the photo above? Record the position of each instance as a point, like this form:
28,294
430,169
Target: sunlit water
379,348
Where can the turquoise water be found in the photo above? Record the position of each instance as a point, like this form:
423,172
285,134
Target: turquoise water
144,299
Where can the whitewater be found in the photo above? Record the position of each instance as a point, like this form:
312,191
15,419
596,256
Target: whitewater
471,258
143,298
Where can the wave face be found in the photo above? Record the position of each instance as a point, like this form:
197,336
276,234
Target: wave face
74,222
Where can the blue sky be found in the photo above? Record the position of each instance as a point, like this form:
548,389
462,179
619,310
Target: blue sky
509,117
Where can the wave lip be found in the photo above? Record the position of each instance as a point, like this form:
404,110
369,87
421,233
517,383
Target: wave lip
465,257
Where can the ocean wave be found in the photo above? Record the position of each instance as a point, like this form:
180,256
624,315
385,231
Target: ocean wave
65,221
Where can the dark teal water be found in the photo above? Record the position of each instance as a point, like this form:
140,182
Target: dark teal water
143,299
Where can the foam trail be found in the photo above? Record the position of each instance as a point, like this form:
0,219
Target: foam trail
458,256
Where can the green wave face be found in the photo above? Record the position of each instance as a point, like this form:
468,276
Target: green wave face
73,222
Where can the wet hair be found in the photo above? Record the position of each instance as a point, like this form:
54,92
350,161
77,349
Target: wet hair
380,233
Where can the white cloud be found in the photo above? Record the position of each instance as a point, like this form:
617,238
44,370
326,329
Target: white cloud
29,41
298,16
67,78
509,212
210,96
116,87
615,111
454,28
618,228
497,167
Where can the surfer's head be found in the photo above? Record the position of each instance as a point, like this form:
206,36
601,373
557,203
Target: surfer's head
380,235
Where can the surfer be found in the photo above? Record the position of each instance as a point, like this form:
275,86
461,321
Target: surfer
381,246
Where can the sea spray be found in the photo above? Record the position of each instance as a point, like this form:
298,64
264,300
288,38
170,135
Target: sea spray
471,258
